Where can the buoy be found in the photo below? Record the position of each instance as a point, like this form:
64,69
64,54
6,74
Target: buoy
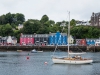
27,57
45,62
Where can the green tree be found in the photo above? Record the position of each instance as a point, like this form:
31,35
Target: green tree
80,32
54,28
6,30
9,18
44,19
73,22
31,26
17,34
2,20
20,17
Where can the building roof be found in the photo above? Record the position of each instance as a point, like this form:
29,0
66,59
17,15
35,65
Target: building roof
35,35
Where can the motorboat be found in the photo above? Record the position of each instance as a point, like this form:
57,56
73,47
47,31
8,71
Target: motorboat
35,51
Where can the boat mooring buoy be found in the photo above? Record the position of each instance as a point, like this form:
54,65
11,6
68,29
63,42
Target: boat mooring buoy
45,62
27,57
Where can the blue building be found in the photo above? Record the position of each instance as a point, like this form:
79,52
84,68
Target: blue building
90,41
58,38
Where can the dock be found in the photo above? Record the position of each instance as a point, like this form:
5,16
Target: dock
49,48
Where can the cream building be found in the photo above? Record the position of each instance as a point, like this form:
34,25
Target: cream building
71,39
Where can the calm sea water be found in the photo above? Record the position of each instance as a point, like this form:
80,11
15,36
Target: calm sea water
16,63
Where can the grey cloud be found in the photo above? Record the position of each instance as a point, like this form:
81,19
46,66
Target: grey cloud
55,9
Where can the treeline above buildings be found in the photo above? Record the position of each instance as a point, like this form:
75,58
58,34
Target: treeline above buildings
12,19
15,24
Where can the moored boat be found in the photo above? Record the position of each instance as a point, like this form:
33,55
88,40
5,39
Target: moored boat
77,59
35,51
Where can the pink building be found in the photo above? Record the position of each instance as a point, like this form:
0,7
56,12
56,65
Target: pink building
81,42
26,40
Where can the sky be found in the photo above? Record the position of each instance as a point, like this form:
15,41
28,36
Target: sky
56,10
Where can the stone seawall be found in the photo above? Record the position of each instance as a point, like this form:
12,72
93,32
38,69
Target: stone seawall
50,48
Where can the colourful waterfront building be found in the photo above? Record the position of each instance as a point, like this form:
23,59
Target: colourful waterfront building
34,39
26,39
81,42
58,38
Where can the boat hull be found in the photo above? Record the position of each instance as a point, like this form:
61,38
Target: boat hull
34,51
60,61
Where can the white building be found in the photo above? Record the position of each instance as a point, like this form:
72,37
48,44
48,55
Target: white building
97,43
9,40
20,26
63,24
82,23
71,39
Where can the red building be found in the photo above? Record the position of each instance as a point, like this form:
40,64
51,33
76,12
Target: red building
35,39
27,39
81,42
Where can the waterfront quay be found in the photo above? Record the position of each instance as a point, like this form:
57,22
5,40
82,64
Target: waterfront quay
50,48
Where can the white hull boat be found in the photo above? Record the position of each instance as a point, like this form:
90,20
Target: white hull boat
71,61
77,59
35,51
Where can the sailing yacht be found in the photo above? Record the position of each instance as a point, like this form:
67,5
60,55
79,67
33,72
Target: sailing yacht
72,58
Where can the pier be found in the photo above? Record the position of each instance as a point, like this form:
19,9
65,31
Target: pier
50,48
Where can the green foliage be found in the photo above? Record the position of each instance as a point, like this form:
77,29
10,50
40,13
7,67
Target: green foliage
6,30
31,26
20,17
2,19
9,18
12,18
72,22
54,28
80,32
17,34
44,19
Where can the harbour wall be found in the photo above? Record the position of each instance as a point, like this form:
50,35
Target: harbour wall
51,48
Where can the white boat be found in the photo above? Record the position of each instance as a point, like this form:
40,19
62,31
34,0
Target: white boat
35,51
77,59
70,60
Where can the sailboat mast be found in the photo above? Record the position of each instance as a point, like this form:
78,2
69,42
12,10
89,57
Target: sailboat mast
68,32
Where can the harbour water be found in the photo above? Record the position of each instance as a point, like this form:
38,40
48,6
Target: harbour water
26,63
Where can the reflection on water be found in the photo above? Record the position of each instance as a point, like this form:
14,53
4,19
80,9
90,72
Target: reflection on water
16,63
